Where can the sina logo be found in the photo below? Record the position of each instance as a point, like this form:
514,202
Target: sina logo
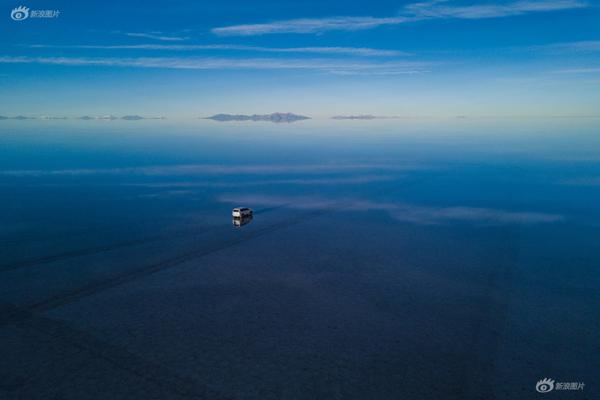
544,385
20,13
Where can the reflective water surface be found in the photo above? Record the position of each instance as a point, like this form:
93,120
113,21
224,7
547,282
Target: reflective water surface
395,259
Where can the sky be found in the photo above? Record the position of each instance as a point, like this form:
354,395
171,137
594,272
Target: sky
184,59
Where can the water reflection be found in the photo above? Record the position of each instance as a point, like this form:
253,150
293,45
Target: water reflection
486,233
238,222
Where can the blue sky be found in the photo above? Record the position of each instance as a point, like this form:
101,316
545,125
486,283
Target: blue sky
320,58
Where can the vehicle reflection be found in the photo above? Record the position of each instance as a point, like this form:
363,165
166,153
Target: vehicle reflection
238,222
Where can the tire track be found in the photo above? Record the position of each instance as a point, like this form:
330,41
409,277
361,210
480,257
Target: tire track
117,357
109,247
60,299
70,296
479,364
71,233
86,251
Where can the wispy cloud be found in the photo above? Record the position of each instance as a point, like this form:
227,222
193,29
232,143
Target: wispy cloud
401,211
308,25
206,63
589,181
414,12
356,51
216,169
585,46
440,9
587,70
156,36
332,181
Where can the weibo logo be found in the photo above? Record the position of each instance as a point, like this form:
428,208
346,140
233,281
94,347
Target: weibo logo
20,13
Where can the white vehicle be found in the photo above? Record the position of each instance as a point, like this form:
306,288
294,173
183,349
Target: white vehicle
241,212
239,222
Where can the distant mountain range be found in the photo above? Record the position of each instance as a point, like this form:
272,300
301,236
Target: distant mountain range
137,117
125,117
364,116
275,117
108,117
85,117
17,117
354,117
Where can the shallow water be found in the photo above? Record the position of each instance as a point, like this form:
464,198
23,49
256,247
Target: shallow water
386,259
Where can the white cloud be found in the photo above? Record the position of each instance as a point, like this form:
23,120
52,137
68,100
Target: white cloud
591,181
200,63
352,180
588,70
156,36
307,25
584,46
210,169
400,211
439,9
413,12
356,51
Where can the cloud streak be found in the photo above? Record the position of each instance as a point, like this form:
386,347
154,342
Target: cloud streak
213,169
585,70
333,181
588,181
401,211
414,12
353,51
438,9
209,63
582,46
156,36
309,25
